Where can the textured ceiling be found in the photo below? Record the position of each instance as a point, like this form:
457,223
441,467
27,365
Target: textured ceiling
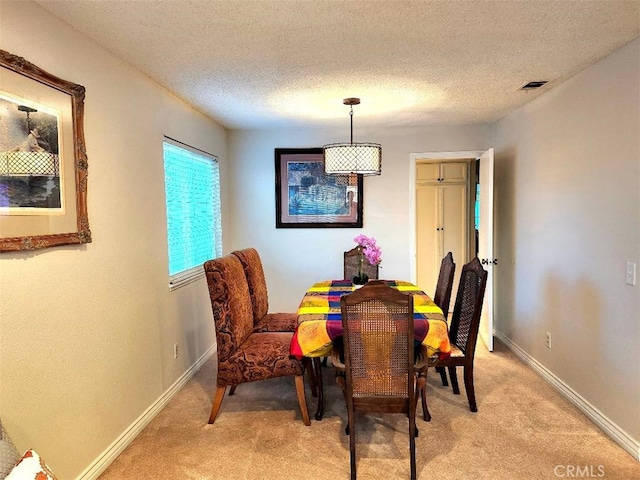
289,63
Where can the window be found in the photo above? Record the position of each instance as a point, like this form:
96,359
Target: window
194,228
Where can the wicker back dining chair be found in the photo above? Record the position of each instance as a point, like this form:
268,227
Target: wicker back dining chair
350,266
465,323
378,340
444,287
442,296
244,355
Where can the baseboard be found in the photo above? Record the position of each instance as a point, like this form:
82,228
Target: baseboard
105,459
618,435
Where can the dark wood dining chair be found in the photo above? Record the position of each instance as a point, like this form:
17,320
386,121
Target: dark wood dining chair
378,345
244,355
444,287
442,297
350,270
350,266
465,323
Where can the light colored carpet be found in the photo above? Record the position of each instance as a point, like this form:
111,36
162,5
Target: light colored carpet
523,430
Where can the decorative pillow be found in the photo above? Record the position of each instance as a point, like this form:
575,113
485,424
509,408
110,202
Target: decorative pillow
9,454
31,467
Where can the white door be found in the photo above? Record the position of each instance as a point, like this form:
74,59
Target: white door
427,236
485,244
441,227
454,232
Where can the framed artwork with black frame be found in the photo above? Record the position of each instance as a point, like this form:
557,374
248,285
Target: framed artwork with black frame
43,159
306,197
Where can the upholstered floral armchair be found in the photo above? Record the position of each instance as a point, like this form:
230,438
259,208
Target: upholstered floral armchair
264,321
244,355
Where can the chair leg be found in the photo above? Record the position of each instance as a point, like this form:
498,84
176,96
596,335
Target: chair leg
421,391
340,381
454,380
352,446
217,401
426,416
468,385
232,390
302,401
312,377
317,367
443,375
413,433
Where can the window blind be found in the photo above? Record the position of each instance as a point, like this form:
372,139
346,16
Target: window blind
192,191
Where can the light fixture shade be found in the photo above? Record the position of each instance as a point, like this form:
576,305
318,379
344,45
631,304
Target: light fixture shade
347,158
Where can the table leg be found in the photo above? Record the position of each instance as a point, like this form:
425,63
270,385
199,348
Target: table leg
317,365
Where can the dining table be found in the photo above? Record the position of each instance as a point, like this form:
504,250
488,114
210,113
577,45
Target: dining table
320,324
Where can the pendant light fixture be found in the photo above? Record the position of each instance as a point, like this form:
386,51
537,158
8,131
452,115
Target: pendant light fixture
353,158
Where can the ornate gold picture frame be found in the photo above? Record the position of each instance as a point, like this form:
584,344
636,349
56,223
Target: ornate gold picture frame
43,159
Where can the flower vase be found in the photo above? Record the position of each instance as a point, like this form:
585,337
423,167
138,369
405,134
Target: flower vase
359,281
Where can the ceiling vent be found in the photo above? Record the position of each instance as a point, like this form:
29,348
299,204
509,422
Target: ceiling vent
533,85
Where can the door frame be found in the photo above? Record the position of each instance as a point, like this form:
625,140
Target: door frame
486,178
450,155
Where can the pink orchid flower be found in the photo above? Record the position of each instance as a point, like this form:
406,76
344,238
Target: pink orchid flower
369,248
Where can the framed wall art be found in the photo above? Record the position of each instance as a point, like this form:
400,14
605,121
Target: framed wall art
43,160
306,197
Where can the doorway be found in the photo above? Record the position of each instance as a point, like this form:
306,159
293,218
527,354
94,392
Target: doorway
474,239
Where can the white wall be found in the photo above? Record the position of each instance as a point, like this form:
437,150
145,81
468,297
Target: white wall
87,332
296,258
568,219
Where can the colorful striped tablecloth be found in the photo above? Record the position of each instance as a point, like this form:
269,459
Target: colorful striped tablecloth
320,320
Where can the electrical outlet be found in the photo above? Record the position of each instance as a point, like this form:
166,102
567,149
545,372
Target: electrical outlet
547,339
175,350
631,273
